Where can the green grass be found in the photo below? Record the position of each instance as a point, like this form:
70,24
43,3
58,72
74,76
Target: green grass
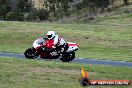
97,41
119,16
110,39
24,73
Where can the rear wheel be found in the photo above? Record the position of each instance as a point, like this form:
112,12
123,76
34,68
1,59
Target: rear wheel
67,56
30,53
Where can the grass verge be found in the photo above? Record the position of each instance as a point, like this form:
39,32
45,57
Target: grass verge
99,41
19,73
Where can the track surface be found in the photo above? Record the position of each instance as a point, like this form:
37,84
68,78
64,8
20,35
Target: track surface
79,60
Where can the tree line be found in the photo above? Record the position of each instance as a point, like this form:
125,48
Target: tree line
24,10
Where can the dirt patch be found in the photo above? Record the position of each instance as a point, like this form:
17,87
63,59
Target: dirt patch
73,72
54,70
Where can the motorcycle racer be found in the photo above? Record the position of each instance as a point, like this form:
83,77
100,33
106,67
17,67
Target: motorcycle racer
58,42
52,47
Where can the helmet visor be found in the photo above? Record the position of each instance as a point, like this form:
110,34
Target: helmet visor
49,36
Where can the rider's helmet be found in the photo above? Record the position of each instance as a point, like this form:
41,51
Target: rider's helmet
51,34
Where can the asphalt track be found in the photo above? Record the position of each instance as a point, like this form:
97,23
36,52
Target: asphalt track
79,60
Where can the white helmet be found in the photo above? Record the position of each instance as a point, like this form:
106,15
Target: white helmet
51,34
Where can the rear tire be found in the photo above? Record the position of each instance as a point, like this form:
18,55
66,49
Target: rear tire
30,53
67,56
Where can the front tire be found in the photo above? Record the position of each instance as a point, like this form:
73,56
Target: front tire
30,53
67,56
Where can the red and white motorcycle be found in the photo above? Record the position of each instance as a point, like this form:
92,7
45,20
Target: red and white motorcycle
43,47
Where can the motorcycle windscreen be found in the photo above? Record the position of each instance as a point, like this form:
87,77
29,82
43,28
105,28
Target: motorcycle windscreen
37,43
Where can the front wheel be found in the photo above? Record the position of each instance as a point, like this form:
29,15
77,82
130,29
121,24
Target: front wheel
30,53
67,56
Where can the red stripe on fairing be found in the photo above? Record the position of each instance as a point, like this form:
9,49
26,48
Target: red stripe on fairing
37,47
72,44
